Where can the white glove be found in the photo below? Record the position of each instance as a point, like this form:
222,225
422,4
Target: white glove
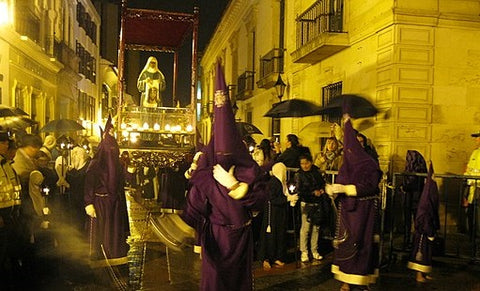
188,173
223,177
292,199
90,210
196,157
193,166
334,189
44,224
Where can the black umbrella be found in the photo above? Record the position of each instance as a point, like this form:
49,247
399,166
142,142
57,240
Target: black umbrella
6,111
359,106
245,128
62,125
20,111
16,122
293,108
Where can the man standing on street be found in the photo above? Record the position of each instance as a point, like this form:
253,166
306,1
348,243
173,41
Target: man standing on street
473,197
9,193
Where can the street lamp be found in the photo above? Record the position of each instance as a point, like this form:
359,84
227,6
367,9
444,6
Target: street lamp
4,13
280,87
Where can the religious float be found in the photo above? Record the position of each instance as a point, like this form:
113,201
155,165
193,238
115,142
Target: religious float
157,142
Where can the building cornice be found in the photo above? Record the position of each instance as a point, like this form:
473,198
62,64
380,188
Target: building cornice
32,49
435,18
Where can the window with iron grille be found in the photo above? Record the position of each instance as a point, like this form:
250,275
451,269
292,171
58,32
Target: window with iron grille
329,92
272,62
276,129
85,21
245,84
47,111
90,110
82,101
27,23
249,116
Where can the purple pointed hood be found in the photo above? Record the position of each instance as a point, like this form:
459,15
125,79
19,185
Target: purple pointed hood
106,162
358,167
226,147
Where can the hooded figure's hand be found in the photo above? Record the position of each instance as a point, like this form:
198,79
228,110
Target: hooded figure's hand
226,179
193,167
238,190
90,210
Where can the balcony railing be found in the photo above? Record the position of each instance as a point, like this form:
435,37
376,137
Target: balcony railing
28,25
323,16
271,64
245,85
318,31
67,56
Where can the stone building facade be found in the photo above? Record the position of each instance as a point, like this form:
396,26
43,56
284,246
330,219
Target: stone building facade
50,58
417,61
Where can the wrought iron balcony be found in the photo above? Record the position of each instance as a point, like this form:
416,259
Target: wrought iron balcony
245,85
28,25
67,56
320,32
271,64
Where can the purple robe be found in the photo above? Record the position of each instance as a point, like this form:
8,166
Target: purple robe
427,222
104,188
224,224
357,233
223,227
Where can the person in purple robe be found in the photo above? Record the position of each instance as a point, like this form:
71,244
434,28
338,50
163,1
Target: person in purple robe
355,260
427,223
226,186
106,204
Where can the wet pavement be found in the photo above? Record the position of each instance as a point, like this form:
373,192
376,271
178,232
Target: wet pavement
179,269
153,266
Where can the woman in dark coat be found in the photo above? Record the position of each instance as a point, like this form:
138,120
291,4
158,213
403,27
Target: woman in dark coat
274,223
76,179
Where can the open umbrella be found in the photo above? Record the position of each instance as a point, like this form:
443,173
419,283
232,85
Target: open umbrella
62,125
246,128
358,105
19,111
317,129
16,122
6,111
293,108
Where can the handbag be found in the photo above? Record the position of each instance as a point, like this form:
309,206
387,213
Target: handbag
321,213
314,215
